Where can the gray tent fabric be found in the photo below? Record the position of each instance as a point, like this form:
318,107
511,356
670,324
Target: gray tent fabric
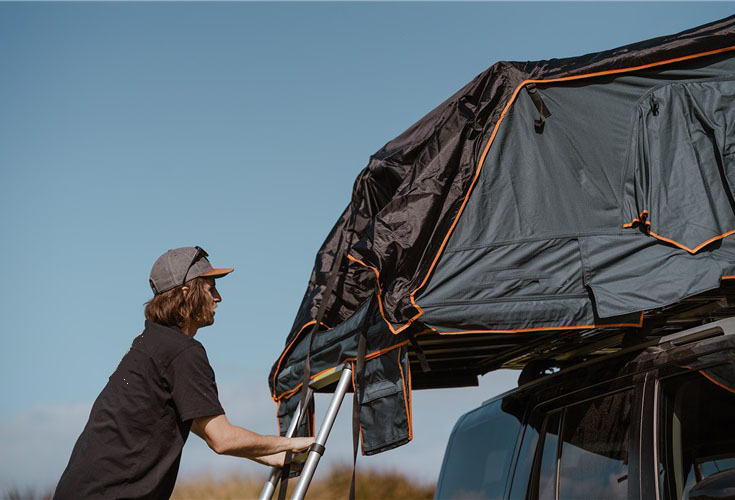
623,271
568,194
683,164
552,235
387,394
385,406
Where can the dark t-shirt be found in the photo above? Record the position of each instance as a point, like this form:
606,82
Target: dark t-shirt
131,445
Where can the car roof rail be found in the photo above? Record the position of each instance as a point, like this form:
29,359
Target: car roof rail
714,329
537,369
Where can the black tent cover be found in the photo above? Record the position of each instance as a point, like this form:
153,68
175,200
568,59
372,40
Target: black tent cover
545,196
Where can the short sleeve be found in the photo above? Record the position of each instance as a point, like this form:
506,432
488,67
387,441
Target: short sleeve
193,388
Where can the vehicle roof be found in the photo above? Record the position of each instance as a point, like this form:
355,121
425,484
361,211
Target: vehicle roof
716,337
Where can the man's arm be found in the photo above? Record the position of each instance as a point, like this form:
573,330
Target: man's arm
227,439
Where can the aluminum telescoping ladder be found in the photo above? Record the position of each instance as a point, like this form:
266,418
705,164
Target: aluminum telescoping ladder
343,376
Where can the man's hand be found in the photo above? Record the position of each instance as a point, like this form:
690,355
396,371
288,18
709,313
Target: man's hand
276,460
227,439
299,444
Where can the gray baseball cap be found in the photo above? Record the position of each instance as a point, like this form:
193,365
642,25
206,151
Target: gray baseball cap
177,266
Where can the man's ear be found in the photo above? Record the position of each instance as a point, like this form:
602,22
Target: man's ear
185,290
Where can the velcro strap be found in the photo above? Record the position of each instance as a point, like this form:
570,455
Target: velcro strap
358,388
543,111
419,354
317,448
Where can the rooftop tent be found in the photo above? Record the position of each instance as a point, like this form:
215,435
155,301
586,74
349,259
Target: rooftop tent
546,210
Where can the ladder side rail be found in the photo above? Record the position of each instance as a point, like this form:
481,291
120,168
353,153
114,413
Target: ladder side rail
275,475
317,449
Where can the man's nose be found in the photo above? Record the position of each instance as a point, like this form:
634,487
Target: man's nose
216,295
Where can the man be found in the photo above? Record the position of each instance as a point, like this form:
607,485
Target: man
163,388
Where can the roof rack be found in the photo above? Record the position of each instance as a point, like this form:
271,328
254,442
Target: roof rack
457,360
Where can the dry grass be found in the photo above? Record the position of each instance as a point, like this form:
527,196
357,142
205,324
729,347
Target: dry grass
371,484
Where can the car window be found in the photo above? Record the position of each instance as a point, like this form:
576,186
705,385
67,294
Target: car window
584,451
526,453
479,454
696,438
548,465
594,451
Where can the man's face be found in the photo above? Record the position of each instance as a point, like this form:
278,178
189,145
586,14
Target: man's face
211,289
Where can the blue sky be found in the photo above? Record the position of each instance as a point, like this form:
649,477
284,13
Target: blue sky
127,129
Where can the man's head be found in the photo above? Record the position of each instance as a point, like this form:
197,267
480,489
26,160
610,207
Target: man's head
183,283
177,266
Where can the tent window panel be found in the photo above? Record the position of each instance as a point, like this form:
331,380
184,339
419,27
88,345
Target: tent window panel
681,152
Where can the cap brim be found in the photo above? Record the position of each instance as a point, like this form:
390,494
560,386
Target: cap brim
217,273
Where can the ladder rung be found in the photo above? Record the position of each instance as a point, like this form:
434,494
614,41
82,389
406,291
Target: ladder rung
327,377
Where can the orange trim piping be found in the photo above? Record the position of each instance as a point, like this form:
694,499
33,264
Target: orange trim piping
368,357
636,220
285,351
641,219
380,300
719,384
727,278
695,249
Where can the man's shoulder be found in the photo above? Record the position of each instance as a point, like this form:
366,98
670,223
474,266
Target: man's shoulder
163,343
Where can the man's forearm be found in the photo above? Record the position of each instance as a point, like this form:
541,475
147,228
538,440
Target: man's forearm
241,442
227,439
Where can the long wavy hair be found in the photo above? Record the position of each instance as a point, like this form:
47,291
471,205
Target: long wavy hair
174,308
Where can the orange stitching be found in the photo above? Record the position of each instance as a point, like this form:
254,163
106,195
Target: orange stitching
278,367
